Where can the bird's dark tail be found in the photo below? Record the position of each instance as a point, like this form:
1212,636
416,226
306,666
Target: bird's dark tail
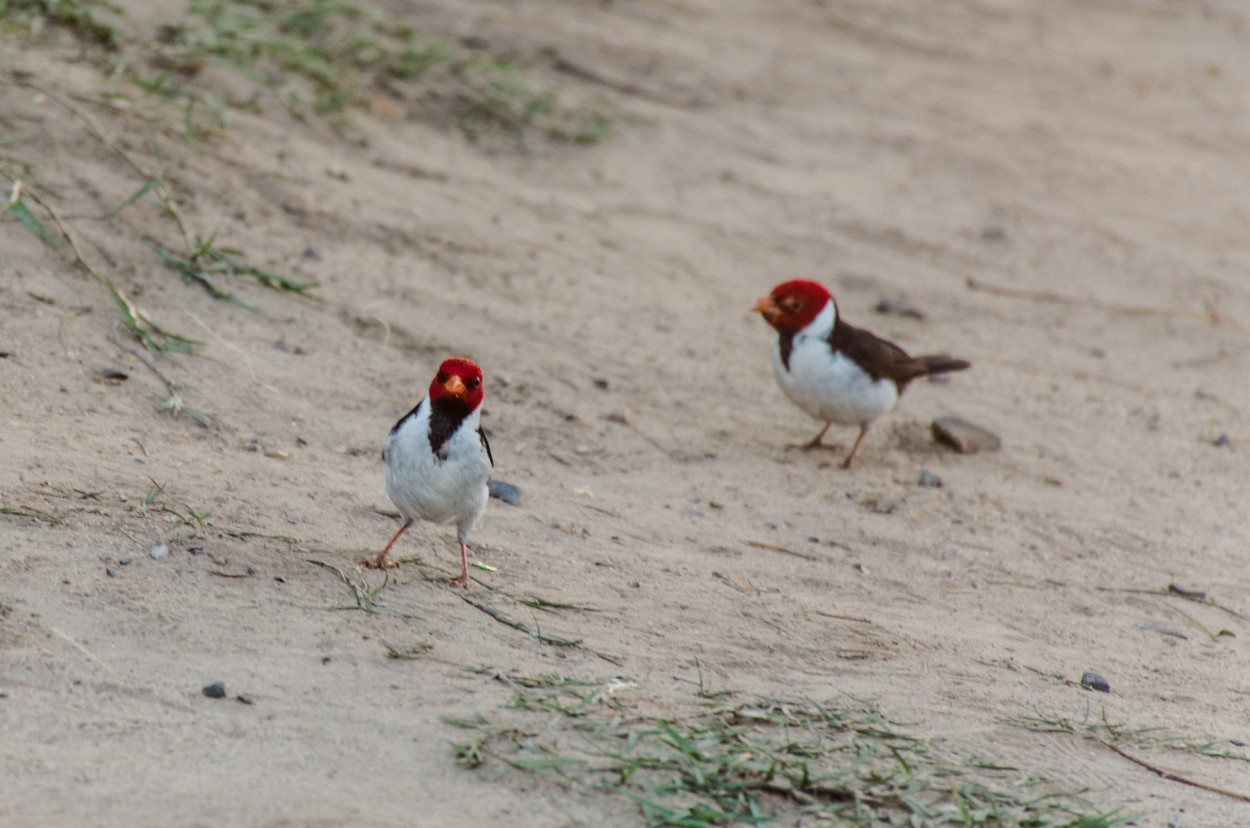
942,364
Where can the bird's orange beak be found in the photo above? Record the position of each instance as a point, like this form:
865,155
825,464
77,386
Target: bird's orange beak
454,386
764,305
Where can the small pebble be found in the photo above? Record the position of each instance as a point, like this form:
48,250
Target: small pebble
244,699
1095,682
196,549
216,690
158,552
110,572
251,570
1221,441
963,436
506,492
125,561
112,374
600,382
993,233
928,478
636,585
311,253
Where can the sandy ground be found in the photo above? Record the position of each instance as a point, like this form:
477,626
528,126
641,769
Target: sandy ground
1093,153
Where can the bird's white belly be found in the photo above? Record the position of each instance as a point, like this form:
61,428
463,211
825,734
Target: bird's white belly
440,491
829,386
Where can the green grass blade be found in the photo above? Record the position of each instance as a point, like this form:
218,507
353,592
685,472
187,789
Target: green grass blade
28,220
147,187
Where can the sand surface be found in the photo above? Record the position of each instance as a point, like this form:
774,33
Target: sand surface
1060,187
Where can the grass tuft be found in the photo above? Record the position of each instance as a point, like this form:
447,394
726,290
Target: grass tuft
206,264
324,57
759,763
1120,733
413,652
21,212
39,19
31,514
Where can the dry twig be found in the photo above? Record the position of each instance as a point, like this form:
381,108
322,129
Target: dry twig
1172,777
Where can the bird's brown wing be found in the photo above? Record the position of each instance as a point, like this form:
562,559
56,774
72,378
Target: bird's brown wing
880,358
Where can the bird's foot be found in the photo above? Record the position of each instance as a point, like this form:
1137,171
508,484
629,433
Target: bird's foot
460,583
815,445
380,562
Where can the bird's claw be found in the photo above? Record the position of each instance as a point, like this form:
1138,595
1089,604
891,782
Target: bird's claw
380,562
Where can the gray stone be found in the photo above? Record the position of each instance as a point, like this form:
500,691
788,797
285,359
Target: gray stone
158,552
928,478
963,436
1093,681
216,690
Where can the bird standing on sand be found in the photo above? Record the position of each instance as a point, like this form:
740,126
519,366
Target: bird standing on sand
835,372
438,463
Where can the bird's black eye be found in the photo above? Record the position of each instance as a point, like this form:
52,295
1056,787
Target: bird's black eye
441,377
472,382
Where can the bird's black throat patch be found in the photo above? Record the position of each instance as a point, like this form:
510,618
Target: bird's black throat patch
446,415
785,342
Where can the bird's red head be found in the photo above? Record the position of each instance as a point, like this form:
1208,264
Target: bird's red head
793,305
458,379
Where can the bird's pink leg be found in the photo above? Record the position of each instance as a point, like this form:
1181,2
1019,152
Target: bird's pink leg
863,432
380,562
815,443
463,580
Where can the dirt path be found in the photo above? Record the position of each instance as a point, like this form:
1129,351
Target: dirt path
1083,164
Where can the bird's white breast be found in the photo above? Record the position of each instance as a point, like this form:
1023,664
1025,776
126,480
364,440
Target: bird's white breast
827,384
450,489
